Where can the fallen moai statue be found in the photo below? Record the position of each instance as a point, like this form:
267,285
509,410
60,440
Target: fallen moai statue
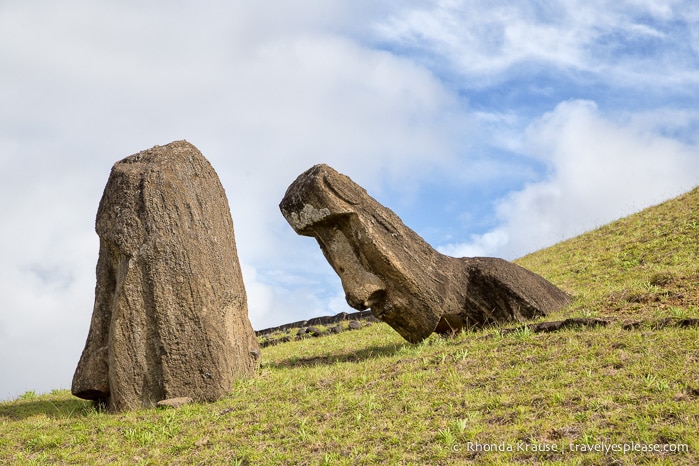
170,318
387,267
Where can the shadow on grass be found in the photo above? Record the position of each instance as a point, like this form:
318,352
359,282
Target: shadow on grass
58,409
371,352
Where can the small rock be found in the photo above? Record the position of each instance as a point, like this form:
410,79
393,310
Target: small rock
202,442
315,331
174,402
354,325
632,325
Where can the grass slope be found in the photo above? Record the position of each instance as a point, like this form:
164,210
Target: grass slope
367,396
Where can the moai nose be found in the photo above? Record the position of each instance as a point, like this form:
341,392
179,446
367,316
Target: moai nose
363,295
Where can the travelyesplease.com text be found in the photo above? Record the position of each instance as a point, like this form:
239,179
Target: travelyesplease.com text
563,447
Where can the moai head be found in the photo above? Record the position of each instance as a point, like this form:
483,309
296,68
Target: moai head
387,267
170,317
383,265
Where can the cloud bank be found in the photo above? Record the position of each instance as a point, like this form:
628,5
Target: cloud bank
598,170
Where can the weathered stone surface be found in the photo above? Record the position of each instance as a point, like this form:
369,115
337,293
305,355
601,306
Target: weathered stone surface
174,402
387,267
170,316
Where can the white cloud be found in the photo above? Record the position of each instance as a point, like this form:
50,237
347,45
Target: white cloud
479,245
600,170
622,41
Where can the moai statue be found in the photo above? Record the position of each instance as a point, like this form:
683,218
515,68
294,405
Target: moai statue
387,267
170,317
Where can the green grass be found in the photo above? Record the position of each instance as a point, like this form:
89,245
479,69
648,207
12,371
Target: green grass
368,397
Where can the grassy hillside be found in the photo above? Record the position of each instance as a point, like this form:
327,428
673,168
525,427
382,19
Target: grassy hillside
367,396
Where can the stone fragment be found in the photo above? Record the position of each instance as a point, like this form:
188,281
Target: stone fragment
354,325
315,331
170,317
386,267
174,402
554,326
202,442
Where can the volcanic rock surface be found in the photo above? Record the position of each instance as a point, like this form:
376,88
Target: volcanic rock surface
170,317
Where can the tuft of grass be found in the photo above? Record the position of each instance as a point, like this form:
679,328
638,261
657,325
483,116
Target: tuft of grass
480,397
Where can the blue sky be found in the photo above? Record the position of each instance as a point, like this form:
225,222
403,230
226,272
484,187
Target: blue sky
491,128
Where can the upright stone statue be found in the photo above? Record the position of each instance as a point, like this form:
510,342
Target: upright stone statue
170,316
387,267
